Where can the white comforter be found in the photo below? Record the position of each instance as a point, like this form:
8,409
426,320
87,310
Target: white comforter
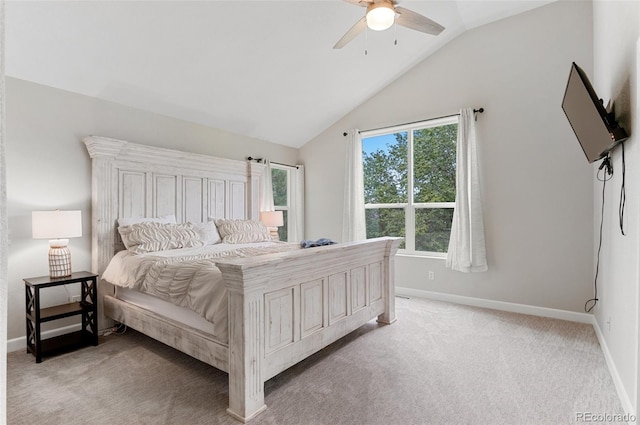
185,277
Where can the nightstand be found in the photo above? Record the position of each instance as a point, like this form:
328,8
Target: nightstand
87,307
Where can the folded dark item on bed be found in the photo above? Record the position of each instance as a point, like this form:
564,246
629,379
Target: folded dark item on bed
319,242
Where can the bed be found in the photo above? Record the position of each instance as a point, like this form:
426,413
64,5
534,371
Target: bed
281,306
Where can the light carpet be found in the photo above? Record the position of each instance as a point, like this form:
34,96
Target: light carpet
440,363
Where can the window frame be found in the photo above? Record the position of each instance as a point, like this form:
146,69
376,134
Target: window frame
410,207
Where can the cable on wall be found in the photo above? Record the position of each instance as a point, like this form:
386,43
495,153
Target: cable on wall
623,194
608,173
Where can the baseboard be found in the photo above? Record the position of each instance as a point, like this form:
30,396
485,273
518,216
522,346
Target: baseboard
627,405
17,344
498,305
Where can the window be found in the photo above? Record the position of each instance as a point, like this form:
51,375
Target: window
410,183
280,179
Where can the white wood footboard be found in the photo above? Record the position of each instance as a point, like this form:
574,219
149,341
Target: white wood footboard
285,307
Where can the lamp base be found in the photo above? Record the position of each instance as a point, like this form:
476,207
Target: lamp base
273,231
59,259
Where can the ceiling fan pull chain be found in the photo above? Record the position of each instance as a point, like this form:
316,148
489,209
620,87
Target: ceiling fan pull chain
366,39
395,32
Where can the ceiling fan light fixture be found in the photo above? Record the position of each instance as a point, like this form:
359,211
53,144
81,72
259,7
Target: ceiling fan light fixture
380,16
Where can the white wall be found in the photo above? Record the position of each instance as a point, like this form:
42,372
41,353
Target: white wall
48,168
616,57
538,186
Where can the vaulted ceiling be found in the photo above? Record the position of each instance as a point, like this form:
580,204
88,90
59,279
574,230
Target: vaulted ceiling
264,69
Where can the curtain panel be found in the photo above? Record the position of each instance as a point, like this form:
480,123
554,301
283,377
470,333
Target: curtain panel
353,218
467,251
296,209
266,196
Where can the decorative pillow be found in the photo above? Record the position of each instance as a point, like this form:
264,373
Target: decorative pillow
242,231
208,232
152,236
128,221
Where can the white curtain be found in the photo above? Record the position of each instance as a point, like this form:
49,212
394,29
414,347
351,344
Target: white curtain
4,242
266,200
466,247
296,209
353,219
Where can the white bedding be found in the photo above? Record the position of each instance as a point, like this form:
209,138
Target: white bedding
186,277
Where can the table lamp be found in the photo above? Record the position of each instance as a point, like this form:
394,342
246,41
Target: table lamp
273,220
57,226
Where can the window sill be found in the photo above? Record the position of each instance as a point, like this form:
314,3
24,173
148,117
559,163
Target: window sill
431,256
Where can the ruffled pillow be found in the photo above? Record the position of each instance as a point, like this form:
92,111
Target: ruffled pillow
128,221
242,231
152,236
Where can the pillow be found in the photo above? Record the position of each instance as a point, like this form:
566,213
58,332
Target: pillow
128,221
208,232
242,231
153,236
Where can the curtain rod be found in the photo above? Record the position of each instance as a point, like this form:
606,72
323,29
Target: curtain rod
475,111
250,158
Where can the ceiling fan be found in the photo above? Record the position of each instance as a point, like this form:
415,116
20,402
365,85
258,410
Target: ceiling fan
381,14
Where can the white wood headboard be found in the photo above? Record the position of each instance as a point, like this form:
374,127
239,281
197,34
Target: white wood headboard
133,180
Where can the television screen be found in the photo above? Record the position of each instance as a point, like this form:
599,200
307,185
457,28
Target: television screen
595,129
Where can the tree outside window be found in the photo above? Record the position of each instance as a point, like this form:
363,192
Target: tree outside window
410,182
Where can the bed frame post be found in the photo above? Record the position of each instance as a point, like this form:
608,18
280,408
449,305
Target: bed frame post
246,340
389,286
103,152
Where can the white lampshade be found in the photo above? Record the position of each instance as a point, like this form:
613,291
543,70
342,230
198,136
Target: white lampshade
272,218
56,224
380,16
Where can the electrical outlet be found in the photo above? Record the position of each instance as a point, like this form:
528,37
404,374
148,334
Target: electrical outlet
74,298
432,276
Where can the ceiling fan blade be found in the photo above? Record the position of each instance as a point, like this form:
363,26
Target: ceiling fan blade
415,21
363,3
352,33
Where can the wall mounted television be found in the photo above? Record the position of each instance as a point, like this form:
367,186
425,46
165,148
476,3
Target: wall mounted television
596,129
